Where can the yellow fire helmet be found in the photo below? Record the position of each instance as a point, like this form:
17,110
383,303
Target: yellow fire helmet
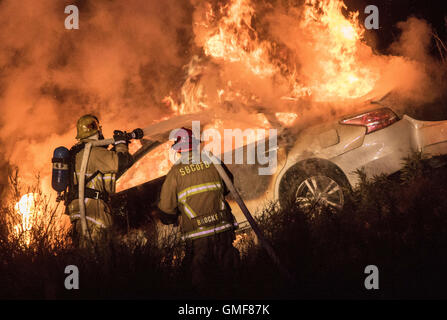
87,126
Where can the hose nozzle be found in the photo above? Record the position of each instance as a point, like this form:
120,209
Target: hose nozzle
135,134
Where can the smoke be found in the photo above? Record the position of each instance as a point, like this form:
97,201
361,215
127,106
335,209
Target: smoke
126,56
420,78
414,41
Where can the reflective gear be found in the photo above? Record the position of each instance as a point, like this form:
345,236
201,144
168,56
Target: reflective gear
185,140
102,167
206,221
87,126
120,137
197,190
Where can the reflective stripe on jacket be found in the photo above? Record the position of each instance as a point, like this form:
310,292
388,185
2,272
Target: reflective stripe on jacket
102,168
197,191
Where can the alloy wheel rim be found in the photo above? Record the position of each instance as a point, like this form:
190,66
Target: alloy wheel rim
317,193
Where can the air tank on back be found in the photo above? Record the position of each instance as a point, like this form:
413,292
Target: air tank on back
60,178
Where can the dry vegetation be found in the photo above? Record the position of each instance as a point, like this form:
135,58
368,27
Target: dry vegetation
398,223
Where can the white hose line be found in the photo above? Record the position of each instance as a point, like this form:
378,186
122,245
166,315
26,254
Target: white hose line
81,190
157,131
222,174
248,215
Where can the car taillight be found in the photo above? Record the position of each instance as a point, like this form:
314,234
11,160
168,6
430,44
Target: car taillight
373,120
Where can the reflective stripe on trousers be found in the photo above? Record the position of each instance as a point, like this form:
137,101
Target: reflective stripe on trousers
204,232
78,216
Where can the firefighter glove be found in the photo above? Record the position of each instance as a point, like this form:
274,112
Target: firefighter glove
120,137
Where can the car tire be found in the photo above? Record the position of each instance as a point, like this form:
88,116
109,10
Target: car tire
314,186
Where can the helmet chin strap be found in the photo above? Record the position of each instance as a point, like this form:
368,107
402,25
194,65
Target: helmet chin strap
100,135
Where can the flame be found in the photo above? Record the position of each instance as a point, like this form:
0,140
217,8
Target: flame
155,164
35,216
334,69
27,208
286,118
193,97
235,40
336,43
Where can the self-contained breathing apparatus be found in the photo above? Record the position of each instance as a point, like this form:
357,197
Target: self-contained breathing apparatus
63,173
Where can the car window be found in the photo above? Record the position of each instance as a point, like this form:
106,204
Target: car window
153,165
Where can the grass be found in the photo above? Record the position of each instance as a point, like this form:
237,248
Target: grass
397,223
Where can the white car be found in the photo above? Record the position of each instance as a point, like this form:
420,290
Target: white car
315,167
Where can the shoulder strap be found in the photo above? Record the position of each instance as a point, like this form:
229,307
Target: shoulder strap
93,176
72,166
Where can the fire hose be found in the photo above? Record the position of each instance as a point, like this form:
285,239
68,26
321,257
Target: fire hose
81,188
157,130
150,130
86,155
264,243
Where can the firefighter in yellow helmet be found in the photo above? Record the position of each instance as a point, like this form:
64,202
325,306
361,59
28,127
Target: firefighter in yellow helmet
102,169
194,193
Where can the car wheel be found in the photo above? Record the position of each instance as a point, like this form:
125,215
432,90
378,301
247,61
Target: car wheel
313,187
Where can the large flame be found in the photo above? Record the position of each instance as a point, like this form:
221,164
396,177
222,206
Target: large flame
334,69
336,43
235,40
318,54
231,40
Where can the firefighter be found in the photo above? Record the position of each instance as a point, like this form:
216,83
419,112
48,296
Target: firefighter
102,169
194,193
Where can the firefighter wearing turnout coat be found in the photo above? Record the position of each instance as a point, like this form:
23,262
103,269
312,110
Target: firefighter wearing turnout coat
100,177
194,193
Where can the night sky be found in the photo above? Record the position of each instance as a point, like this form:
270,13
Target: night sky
393,11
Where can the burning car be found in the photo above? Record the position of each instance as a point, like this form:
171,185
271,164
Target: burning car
315,168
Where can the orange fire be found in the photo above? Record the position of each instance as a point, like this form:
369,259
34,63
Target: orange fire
286,118
26,207
153,165
235,40
335,69
35,216
336,43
